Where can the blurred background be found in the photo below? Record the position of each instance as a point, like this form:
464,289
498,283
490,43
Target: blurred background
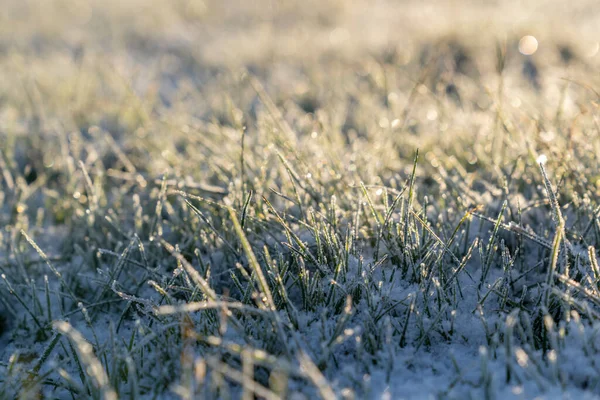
219,31
156,67
55,40
434,69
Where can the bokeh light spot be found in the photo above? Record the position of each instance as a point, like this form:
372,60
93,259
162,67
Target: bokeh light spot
528,45
593,49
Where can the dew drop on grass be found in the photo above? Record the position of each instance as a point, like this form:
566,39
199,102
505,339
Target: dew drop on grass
547,136
517,390
542,159
432,115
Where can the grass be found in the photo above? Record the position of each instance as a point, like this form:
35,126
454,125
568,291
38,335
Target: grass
211,199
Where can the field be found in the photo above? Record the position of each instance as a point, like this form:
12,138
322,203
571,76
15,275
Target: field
299,199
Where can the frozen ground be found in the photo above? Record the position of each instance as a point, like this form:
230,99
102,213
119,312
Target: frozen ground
299,199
